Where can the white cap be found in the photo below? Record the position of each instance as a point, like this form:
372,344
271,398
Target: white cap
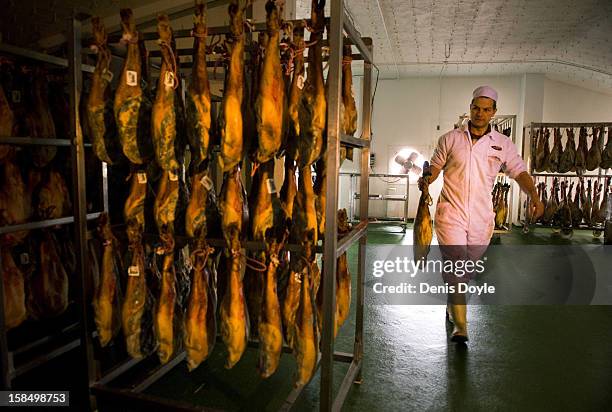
485,91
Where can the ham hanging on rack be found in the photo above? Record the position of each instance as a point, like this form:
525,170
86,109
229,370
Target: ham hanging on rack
164,117
234,320
200,327
100,119
606,154
201,190
230,123
295,93
7,124
48,286
564,213
568,157
132,105
135,301
14,201
348,108
556,152
587,203
553,204
540,152
576,209
106,297
270,103
343,276
581,151
53,197
597,214
313,105
40,122
133,210
593,158
14,291
197,98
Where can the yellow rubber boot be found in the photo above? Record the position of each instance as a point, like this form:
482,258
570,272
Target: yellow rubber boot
459,319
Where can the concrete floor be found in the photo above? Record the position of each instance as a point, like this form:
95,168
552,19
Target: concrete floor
527,358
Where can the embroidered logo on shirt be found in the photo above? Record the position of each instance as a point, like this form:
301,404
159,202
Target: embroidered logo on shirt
496,148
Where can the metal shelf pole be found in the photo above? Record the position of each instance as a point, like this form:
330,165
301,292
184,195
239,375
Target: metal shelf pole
326,398
79,201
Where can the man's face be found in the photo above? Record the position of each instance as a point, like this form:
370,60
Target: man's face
482,111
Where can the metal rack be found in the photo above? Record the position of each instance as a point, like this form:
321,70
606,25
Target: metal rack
529,147
60,335
99,384
354,195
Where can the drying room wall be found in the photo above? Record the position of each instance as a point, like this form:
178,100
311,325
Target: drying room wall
567,103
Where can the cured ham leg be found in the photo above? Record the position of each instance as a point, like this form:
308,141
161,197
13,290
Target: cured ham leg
131,105
14,291
197,97
134,302
593,158
200,324
164,318
14,201
231,118
164,110
270,103
106,297
568,157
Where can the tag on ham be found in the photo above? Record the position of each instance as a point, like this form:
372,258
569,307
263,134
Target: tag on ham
206,182
142,177
131,78
16,96
300,82
169,79
107,75
271,186
24,259
133,271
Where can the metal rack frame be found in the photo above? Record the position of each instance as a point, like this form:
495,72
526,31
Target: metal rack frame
58,343
529,146
403,221
98,385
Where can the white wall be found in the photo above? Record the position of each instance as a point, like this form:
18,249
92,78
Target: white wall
568,103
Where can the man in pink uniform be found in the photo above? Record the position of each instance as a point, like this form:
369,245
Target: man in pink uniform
471,158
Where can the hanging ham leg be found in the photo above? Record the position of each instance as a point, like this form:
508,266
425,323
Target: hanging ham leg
295,94
164,318
48,287
197,98
195,218
200,327
597,215
540,152
14,201
233,313
576,210
231,108
40,121
133,307
581,151
305,339
133,210
7,124
53,197
313,105
270,104
131,105
587,204
164,110
106,298
568,157
14,291
165,203
99,107
606,154
593,158
320,191
556,152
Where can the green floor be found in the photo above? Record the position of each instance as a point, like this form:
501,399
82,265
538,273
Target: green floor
523,358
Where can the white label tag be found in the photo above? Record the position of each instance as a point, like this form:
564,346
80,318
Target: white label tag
142,177
133,271
16,96
24,258
160,250
169,79
271,186
131,78
172,176
300,82
107,75
206,182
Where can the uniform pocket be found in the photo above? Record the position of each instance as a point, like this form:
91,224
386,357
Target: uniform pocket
495,161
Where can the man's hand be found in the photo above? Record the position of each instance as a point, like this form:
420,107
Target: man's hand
536,207
422,181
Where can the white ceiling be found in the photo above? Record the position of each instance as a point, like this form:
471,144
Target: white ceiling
568,40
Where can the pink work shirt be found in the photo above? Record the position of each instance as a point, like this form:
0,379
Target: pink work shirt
465,202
